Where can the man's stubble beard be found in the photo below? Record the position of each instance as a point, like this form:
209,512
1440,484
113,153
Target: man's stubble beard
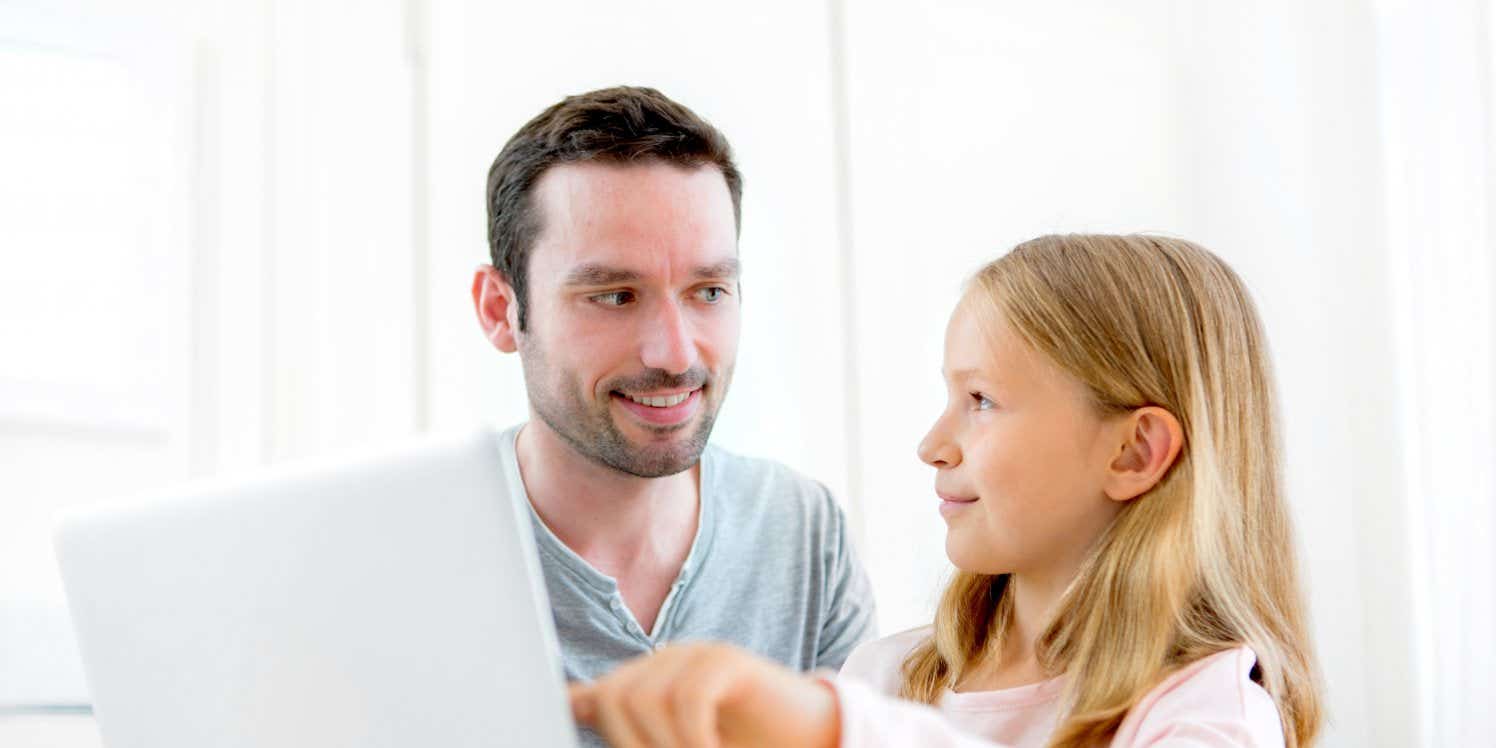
590,429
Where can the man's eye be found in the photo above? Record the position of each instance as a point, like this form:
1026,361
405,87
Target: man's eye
711,294
613,298
981,401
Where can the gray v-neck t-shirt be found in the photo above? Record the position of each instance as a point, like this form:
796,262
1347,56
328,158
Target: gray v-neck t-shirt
771,570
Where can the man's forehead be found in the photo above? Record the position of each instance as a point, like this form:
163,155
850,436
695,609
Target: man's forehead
602,223
583,180
590,197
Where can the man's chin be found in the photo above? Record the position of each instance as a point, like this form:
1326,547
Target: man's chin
652,464
655,438
655,453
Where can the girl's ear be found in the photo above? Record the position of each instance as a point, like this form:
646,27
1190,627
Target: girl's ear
494,301
1151,438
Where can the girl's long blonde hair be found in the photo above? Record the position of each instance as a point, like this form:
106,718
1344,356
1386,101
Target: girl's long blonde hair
1201,563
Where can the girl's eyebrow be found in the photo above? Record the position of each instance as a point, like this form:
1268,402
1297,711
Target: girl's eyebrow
959,373
987,378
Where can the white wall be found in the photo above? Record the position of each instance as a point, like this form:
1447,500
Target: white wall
1439,153
319,203
93,328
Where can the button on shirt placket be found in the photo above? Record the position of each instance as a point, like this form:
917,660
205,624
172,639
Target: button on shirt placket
626,617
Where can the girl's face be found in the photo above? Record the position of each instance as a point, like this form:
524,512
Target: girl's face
1021,456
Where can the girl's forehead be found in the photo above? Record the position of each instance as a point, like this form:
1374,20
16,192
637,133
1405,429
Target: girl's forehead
979,326
979,338
981,343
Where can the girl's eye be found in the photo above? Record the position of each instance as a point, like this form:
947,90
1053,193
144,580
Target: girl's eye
711,294
981,401
613,298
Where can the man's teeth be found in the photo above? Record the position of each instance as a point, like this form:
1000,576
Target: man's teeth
659,402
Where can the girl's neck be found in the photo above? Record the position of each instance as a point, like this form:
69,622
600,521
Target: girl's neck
1033,599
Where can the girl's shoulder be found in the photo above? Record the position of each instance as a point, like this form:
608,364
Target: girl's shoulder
1212,701
877,662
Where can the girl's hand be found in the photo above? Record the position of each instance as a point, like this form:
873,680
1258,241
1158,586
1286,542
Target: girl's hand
707,695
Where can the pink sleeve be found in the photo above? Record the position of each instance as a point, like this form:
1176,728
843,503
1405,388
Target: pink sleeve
1213,703
1224,734
871,720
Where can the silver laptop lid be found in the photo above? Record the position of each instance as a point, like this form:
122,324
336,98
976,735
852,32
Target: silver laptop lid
387,600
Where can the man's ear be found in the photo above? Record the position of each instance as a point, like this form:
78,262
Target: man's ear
497,308
1150,441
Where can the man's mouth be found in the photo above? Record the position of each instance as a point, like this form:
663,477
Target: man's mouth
661,409
659,401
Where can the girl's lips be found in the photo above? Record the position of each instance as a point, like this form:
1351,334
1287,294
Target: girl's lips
955,499
950,505
948,508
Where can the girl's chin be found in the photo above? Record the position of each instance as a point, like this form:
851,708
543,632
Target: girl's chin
965,558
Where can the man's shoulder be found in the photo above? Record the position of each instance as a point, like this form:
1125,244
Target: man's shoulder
769,485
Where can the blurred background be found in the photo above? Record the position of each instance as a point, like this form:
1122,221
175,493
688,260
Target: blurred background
237,232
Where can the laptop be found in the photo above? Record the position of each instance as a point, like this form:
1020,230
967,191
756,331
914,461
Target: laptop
392,599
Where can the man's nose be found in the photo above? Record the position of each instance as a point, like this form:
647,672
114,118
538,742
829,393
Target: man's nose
667,340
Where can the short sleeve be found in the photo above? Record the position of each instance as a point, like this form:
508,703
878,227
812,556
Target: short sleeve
849,617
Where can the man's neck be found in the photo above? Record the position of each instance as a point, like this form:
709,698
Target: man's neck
621,524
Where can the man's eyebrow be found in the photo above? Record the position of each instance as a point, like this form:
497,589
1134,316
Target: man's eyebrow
725,269
593,274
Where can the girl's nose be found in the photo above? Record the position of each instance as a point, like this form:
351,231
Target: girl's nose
937,449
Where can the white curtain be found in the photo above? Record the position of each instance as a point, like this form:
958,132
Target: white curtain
1435,66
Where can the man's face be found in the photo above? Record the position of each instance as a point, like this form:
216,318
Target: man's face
633,311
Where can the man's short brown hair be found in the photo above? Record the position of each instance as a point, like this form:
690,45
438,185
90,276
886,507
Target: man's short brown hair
620,125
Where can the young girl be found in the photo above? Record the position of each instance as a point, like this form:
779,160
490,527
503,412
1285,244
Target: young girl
1107,467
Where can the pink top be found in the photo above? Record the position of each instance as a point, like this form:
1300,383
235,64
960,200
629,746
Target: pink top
1212,702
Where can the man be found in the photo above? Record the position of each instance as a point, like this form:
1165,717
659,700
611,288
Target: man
613,222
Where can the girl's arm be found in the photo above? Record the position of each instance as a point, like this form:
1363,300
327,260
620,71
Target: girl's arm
707,695
720,696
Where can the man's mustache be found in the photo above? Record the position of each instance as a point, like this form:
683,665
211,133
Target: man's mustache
659,379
